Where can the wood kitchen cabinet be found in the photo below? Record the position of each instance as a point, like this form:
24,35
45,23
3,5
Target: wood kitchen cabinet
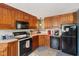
58,20
9,15
44,40
3,49
69,18
35,42
48,22
40,40
32,22
20,16
26,17
9,49
6,19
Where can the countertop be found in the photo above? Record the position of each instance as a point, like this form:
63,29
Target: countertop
12,40
38,34
8,41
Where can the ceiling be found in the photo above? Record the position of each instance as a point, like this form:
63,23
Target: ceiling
46,9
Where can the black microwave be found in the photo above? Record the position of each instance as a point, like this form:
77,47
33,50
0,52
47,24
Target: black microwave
22,25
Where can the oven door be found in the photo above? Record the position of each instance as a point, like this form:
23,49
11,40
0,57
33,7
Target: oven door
25,47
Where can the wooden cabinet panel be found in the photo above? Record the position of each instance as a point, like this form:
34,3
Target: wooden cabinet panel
26,17
9,49
18,17
48,22
9,16
41,40
13,48
68,18
47,41
1,15
35,22
55,21
6,19
44,40
3,49
32,22
35,42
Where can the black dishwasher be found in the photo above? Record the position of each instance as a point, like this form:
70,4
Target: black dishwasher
54,42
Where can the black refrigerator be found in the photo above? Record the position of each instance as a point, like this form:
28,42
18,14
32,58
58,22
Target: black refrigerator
69,38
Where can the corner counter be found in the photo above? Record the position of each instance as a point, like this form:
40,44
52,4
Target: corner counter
8,41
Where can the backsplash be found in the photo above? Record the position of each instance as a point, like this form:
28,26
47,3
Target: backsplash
9,33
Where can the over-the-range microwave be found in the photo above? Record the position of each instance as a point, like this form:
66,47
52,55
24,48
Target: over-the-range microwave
22,25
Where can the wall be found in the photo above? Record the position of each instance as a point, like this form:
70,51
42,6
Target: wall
10,32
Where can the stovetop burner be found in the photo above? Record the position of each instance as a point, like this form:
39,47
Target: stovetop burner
21,35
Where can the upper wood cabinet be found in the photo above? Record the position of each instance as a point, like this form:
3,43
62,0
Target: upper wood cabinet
52,21
26,17
32,22
20,16
6,19
48,22
9,16
69,18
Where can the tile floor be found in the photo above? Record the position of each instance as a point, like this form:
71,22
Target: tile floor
44,51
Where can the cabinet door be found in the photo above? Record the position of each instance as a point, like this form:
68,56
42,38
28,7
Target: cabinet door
26,17
1,16
3,49
47,41
35,42
70,18
18,17
54,21
48,22
59,22
44,40
67,18
13,48
32,22
35,22
7,16
40,40
7,19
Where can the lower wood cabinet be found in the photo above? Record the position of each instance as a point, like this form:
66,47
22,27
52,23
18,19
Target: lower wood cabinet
40,40
3,49
35,42
44,40
9,49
